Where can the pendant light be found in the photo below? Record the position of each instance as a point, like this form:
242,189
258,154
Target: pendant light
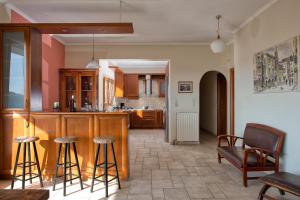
218,45
93,63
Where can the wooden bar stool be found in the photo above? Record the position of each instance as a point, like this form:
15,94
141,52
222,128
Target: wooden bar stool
26,163
105,165
67,141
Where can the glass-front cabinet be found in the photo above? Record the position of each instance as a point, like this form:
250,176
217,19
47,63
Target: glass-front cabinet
14,50
79,85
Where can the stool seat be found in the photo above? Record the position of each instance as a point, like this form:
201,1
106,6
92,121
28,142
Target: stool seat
104,140
23,139
67,139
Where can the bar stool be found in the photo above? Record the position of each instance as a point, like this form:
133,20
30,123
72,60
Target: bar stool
26,164
67,141
105,165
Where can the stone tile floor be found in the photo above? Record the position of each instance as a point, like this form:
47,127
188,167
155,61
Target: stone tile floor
160,171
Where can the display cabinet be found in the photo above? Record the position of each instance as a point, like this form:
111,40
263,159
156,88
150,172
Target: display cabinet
82,84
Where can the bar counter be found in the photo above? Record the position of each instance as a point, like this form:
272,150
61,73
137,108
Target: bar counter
49,125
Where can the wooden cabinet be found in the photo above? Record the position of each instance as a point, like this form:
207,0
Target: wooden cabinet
82,83
146,119
161,87
119,83
21,65
131,86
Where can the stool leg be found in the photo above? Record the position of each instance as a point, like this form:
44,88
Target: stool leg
65,167
24,168
29,161
69,161
15,167
116,167
105,170
37,164
95,166
77,164
56,167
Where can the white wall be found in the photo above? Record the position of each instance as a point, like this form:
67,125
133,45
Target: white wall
280,110
208,103
152,70
4,14
187,63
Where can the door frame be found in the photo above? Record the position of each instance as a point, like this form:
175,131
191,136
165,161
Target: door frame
221,104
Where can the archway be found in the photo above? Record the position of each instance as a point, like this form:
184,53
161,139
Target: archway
213,103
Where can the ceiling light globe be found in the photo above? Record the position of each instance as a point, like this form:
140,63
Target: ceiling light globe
93,64
217,46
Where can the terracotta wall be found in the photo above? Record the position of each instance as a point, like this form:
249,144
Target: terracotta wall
53,53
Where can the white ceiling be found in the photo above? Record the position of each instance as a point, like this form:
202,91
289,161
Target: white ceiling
154,21
137,63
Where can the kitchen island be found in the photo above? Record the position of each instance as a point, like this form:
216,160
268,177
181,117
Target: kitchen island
49,125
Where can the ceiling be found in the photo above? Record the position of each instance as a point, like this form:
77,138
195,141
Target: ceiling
137,63
154,21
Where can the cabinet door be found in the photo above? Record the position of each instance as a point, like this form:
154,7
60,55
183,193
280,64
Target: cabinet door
149,119
87,89
131,85
161,88
69,87
15,53
119,84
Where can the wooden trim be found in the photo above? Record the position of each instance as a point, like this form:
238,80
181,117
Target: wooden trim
76,28
221,104
231,101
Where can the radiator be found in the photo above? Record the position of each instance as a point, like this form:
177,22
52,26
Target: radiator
187,127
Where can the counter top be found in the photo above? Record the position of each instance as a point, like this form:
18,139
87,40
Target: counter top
79,113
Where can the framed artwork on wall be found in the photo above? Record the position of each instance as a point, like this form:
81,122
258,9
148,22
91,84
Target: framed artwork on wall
276,69
185,86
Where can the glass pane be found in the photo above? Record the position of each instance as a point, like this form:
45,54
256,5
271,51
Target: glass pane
14,69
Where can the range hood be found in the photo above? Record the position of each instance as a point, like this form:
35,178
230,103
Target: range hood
148,85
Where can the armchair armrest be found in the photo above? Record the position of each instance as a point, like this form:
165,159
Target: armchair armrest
230,142
261,156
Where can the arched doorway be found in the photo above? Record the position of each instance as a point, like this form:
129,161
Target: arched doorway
213,103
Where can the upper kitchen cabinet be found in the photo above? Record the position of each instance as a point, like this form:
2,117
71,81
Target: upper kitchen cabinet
131,86
119,83
80,83
161,87
20,59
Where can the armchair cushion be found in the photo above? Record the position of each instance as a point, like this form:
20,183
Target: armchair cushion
236,155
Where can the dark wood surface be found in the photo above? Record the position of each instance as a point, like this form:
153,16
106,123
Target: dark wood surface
231,101
28,194
119,83
221,105
146,119
76,28
77,74
131,86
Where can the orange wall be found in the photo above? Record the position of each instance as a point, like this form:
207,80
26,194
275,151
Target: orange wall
53,53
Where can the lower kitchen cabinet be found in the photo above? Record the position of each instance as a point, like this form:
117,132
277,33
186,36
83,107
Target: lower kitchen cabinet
147,119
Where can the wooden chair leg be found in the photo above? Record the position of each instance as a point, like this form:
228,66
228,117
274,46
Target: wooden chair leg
15,167
263,192
70,163
219,158
245,178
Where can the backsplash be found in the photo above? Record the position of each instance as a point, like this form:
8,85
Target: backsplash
152,102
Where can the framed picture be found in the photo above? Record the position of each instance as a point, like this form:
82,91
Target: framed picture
185,86
276,69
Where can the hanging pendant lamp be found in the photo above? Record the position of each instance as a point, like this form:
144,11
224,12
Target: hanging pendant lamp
93,63
218,45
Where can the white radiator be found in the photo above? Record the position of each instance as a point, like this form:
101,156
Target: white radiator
187,127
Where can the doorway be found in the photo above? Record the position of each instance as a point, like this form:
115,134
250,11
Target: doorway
213,103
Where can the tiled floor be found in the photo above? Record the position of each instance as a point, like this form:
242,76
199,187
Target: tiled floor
160,171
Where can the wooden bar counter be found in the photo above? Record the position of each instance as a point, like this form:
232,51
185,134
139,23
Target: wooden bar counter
49,125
